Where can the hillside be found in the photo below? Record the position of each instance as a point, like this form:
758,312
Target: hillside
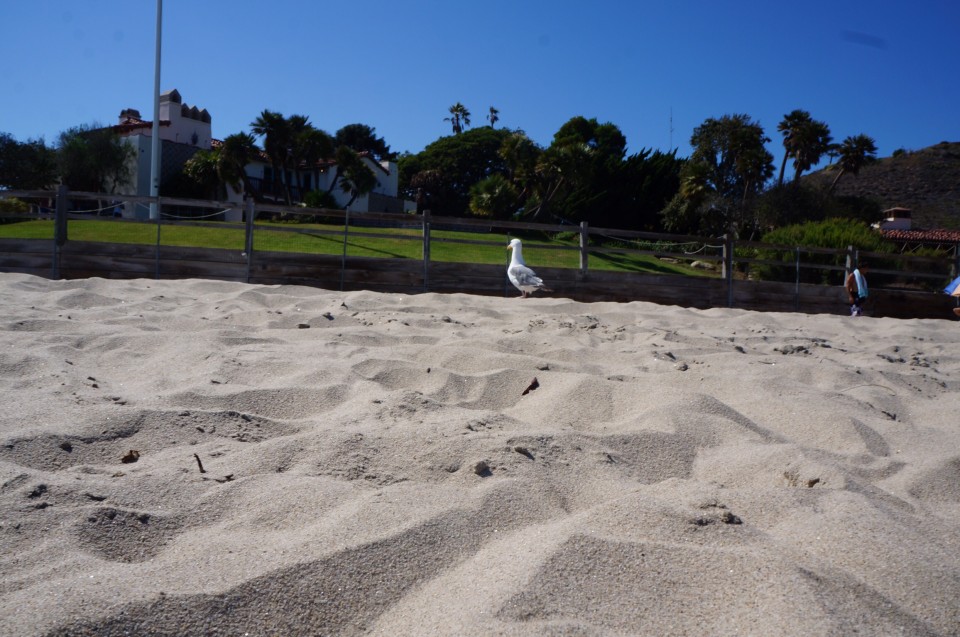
927,181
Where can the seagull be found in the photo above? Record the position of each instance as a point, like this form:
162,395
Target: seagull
525,279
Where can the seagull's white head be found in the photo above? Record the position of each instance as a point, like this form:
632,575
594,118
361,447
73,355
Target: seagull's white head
516,256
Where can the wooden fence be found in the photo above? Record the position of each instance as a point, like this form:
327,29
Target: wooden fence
904,287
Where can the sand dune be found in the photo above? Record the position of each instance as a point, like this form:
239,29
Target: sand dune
386,464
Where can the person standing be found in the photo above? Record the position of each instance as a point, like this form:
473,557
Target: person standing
857,289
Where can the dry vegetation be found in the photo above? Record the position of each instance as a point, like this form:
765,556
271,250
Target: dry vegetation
927,181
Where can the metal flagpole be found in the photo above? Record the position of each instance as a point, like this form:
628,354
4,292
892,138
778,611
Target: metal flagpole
155,132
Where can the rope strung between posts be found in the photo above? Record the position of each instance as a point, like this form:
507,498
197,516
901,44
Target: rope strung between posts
664,245
209,216
91,210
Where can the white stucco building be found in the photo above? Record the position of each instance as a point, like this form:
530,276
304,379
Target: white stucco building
186,129
383,197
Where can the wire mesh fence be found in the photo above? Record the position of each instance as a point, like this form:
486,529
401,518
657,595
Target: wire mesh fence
248,229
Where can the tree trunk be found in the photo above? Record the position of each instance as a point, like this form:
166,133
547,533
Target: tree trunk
783,166
286,184
247,187
834,184
333,184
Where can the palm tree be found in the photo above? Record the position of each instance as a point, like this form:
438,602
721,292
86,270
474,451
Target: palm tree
459,118
234,154
791,125
520,153
805,139
494,197
277,141
356,178
855,153
493,116
307,145
813,142
312,145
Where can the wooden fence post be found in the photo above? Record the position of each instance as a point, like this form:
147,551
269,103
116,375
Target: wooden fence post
156,260
956,266
248,215
584,252
343,259
796,302
426,250
59,229
727,269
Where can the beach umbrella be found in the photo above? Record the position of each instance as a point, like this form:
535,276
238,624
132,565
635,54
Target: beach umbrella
953,288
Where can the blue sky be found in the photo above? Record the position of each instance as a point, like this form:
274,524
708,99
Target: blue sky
885,68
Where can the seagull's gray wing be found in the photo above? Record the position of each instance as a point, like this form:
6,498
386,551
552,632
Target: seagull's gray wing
522,276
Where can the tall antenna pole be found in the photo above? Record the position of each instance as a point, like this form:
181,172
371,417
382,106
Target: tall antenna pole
155,131
671,128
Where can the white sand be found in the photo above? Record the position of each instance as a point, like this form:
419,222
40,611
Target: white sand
373,466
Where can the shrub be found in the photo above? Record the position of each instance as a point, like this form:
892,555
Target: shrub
14,205
831,233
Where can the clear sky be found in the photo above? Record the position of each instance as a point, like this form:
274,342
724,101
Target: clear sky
656,69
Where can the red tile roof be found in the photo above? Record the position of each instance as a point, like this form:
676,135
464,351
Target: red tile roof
132,124
923,236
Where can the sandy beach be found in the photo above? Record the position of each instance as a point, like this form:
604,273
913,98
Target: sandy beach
209,458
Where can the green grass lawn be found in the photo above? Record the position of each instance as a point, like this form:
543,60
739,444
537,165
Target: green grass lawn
539,250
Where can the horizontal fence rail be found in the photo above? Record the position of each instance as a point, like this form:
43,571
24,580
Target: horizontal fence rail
402,252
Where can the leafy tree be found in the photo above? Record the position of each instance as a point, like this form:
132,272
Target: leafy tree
28,165
494,197
649,180
863,209
459,118
352,174
201,177
805,140
521,156
807,202
94,159
790,204
234,154
320,199
727,169
444,171
357,179
211,172
493,117
363,139
424,185
580,171
855,152
584,176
